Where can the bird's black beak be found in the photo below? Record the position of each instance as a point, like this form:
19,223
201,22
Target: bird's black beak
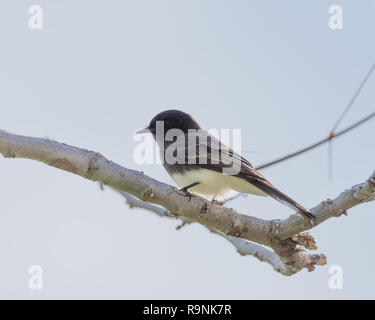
141,131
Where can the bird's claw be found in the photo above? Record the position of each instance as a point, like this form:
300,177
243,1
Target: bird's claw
186,193
185,189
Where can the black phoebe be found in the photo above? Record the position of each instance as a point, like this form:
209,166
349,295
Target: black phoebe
202,164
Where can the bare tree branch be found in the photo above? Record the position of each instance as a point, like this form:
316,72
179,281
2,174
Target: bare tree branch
244,247
281,236
134,202
329,208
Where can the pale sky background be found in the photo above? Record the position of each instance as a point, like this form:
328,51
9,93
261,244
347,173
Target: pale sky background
99,70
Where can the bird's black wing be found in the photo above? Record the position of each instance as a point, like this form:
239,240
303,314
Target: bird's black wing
214,155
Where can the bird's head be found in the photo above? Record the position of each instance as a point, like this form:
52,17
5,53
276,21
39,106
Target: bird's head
172,119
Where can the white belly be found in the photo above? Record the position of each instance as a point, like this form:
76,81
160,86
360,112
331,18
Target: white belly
214,185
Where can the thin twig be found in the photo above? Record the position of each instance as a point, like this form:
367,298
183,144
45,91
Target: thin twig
336,125
317,144
332,134
351,102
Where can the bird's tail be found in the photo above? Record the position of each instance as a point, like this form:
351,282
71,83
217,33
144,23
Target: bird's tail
271,191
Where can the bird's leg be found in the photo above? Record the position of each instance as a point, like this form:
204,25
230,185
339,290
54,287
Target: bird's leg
185,189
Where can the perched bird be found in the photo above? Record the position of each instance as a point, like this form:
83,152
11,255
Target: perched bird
203,165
